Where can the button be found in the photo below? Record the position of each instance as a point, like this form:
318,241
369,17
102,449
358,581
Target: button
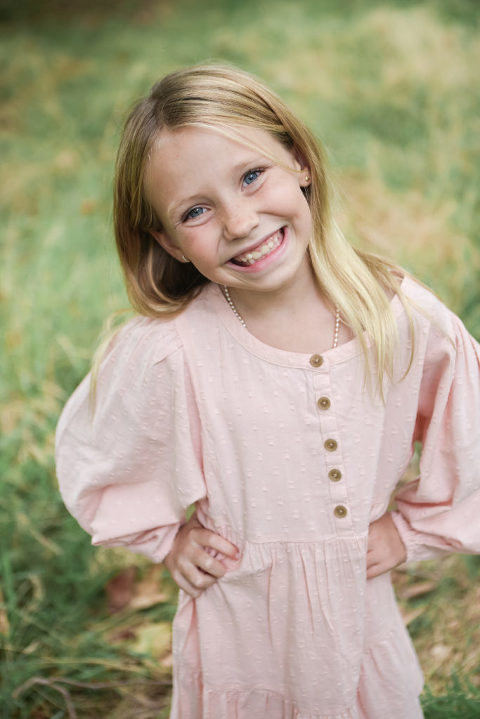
335,475
330,445
324,403
316,360
340,511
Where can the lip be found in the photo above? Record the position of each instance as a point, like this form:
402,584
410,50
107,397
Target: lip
264,261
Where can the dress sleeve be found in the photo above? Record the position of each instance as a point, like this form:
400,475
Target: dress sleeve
129,466
439,512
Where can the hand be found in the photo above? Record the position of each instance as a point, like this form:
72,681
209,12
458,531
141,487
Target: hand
191,567
385,549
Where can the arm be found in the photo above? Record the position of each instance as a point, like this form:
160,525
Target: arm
438,512
128,470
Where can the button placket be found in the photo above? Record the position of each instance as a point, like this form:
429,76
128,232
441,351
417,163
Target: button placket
332,452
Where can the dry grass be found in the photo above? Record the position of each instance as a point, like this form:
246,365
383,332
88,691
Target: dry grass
440,602
392,89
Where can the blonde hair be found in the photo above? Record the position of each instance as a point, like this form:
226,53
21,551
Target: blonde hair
220,96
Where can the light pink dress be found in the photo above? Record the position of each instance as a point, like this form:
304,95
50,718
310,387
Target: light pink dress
291,461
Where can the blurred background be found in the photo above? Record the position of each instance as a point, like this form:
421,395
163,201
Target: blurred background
392,90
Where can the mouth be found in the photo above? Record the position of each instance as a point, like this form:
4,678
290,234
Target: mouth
266,247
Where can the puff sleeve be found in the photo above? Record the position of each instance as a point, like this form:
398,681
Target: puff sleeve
129,467
440,511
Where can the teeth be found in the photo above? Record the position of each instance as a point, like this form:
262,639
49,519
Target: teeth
249,258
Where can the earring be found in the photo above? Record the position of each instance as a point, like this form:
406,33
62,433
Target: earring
185,259
307,179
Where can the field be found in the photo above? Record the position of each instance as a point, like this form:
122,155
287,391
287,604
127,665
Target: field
392,90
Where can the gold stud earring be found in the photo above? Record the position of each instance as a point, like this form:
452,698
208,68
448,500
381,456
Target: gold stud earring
307,179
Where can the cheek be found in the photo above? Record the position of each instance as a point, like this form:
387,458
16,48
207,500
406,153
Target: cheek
291,197
297,205
197,245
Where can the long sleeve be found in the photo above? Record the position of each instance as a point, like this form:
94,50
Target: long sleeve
440,510
130,466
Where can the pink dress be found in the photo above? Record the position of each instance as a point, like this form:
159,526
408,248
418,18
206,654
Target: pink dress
291,458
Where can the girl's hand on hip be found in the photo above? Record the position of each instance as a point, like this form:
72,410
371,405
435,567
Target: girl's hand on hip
190,565
385,548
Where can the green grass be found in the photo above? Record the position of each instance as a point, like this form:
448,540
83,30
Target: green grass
392,89
461,701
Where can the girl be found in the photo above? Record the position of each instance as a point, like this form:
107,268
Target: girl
277,379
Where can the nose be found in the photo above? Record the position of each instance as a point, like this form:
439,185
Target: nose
239,218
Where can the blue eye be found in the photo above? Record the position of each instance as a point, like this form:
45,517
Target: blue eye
251,176
194,213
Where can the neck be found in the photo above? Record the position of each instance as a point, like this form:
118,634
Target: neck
299,319
292,300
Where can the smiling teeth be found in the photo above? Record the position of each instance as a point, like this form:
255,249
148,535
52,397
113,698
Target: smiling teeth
249,258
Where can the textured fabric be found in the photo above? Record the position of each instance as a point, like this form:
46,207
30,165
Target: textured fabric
196,409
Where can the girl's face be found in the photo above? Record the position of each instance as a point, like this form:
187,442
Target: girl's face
239,217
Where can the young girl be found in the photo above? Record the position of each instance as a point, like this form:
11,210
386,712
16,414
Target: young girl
278,380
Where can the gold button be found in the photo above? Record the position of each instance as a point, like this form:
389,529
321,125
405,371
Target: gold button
335,475
316,360
340,511
324,403
330,445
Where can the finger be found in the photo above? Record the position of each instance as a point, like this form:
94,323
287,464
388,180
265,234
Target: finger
200,580
193,582
187,587
193,574
194,555
210,565
374,562
374,571
374,554
376,559
206,538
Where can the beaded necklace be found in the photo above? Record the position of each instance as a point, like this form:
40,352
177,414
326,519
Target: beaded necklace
244,324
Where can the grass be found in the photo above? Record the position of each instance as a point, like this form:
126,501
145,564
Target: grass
392,89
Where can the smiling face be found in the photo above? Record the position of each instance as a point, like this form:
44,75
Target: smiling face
238,216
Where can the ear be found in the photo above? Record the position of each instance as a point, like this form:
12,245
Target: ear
304,176
168,245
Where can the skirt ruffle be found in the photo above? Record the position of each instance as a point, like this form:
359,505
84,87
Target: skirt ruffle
191,701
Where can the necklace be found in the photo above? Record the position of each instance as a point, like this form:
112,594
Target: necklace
244,324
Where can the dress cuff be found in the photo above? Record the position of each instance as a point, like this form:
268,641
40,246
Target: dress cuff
414,541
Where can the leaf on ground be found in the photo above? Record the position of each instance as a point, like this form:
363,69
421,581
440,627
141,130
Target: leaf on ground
125,592
4,623
167,661
416,590
120,589
441,652
154,639
147,590
411,614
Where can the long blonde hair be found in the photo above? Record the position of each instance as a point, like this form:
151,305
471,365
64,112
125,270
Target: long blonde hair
221,96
